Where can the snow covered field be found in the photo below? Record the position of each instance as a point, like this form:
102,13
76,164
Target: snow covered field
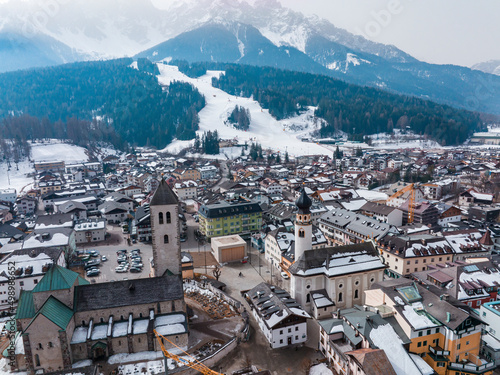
270,133
40,152
14,178
56,151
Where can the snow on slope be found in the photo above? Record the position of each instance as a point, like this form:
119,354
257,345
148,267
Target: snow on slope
283,135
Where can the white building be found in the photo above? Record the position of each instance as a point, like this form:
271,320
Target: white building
8,195
330,278
27,268
208,172
186,189
87,231
281,319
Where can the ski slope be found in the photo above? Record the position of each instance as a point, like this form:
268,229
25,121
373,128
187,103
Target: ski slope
283,135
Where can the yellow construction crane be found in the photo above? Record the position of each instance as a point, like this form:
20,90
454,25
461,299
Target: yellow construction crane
191,362
411,200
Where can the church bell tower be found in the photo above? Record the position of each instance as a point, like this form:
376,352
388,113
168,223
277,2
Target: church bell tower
303,225
164,211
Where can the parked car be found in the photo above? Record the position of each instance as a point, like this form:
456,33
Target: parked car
94,253
104,258
122,251
134,264
120,269
93,272
135,269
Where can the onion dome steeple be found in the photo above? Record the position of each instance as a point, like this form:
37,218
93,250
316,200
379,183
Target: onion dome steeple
303,203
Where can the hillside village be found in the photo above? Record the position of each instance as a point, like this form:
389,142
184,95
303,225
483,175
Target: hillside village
386,261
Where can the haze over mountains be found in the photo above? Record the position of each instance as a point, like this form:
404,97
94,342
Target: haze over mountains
264,33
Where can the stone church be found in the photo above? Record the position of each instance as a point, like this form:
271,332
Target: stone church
326,279
64,319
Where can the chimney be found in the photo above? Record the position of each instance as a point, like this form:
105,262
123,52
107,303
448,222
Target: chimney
448,317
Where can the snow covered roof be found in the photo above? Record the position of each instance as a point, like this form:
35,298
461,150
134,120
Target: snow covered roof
273,305
340,260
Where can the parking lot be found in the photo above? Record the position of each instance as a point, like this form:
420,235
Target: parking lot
116,242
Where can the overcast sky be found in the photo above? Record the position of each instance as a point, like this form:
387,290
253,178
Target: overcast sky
462,32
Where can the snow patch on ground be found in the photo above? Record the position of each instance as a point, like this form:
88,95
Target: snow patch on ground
15,178
320,369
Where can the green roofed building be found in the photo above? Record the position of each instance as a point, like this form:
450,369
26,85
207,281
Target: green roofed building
230,217
65,319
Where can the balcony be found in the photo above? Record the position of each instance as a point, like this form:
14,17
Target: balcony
436,350
472,367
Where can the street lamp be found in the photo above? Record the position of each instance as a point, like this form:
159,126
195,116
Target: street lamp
205,251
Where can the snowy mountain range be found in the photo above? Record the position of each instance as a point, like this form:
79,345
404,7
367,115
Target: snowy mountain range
492,67
264,33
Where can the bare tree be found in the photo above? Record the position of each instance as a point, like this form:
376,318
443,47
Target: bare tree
217,272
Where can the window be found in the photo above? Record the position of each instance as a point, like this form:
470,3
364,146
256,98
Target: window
301,233
407,262
420,334
169,218
437,330
458,346
281,331
467,343
340,297
289,330
296,337
441,364
281,341
165,238
21,283
419,344
160,217
296,328
428,331
425,343
37,360
35,281
356,294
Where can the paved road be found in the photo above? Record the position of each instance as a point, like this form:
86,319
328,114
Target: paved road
256,350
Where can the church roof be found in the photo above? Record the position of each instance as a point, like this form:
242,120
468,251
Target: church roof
57,278
127,293
339,260
56,311
163,195
26,306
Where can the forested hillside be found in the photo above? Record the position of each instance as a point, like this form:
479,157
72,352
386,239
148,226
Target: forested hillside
128,102
353,109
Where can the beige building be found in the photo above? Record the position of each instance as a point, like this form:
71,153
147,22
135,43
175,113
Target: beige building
229,248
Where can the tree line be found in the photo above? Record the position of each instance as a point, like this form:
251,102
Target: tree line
128,102
345,107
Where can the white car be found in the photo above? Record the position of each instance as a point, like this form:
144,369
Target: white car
120,269
284,275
